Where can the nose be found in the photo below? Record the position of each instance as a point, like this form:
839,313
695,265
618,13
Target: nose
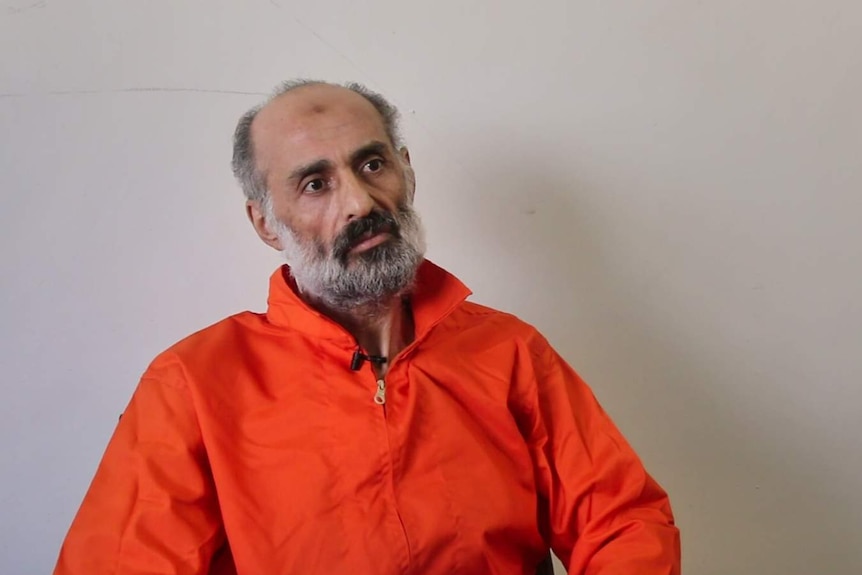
356,197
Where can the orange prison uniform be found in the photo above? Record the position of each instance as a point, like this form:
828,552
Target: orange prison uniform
255,434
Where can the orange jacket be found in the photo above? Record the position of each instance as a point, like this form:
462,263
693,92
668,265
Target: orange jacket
256,432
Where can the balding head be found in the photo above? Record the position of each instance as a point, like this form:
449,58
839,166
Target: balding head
328,186
300,96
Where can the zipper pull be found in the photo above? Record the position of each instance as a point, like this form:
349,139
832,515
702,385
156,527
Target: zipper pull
380,396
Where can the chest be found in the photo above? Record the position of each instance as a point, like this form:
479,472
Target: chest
305,458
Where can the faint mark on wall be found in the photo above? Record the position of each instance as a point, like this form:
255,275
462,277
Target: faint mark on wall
131,90
14,8
323,40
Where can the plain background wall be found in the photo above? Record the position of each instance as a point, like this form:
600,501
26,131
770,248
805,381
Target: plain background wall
670,190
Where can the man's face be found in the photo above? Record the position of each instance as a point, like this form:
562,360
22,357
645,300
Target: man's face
340,196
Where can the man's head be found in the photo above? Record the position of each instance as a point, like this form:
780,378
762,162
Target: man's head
328,184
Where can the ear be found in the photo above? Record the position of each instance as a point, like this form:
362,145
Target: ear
409,174
258,220
405,154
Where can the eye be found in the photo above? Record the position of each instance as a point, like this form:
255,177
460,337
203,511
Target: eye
373,166
314,186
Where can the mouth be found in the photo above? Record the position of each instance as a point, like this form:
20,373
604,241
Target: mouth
370,240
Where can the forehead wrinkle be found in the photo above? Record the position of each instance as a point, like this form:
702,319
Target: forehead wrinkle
314,100
290,121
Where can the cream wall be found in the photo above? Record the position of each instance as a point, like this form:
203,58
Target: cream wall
669,190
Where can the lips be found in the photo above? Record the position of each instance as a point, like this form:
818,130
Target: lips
366,233
384,229
369,240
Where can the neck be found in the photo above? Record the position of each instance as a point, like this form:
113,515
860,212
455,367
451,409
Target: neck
383,329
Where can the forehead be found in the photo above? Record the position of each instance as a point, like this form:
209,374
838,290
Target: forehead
312,123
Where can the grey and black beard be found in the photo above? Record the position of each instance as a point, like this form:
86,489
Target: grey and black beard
346,282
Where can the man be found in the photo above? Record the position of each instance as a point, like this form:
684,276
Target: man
372,421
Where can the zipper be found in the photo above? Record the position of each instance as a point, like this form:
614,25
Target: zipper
380,399
380,395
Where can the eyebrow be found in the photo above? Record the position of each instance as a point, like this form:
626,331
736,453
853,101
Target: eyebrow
373,148
305,170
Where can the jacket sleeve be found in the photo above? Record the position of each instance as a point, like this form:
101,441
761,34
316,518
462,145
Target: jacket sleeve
151,507
602,512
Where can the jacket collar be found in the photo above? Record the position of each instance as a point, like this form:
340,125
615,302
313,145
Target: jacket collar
435,294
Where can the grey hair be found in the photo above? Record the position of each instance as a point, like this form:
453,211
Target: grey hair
252,180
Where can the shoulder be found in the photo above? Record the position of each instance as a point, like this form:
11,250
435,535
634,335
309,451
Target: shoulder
473,316
473,328
212,345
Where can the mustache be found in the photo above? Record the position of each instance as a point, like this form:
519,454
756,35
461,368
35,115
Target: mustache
377,221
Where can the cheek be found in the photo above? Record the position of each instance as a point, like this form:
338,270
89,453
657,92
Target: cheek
396,189
316,219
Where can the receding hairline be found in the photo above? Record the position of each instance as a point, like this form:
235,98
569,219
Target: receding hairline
318,107
245,155
315,107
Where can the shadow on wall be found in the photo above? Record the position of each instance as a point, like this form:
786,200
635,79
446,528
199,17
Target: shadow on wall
745,503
